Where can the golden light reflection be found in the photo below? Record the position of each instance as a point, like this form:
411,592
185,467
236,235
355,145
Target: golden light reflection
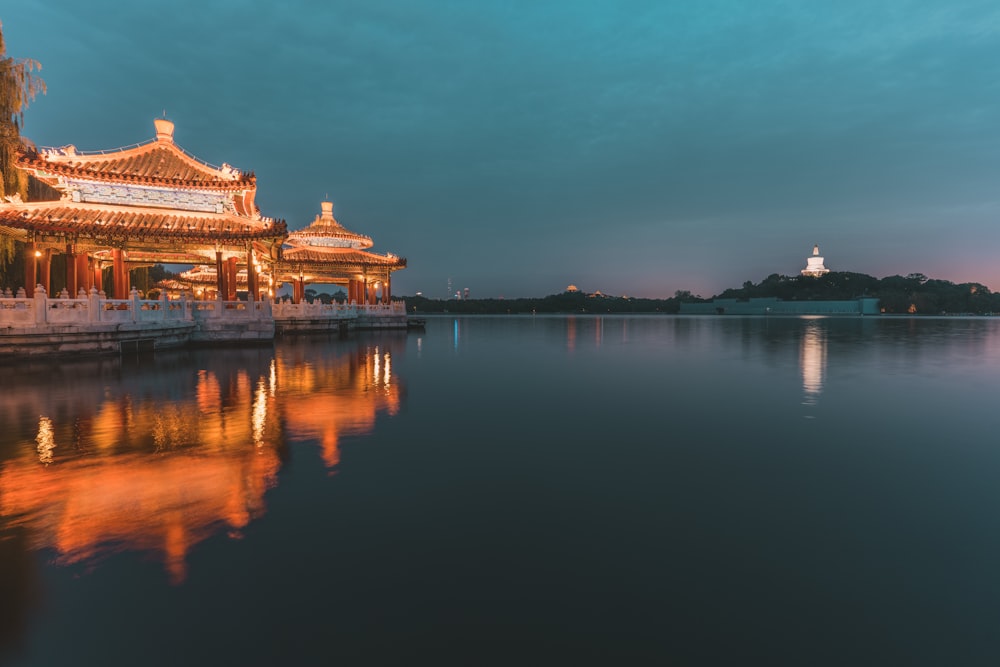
812,361
339,399
163,465
45,441
259,413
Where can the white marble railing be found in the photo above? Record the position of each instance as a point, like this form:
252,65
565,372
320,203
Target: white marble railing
96,308
342,311
315,310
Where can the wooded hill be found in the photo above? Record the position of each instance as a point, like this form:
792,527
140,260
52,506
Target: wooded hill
915,294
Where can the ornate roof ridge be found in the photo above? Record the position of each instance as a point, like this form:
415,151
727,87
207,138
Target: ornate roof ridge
327,226
132,209
128,164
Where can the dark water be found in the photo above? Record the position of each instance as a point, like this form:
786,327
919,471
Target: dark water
529,490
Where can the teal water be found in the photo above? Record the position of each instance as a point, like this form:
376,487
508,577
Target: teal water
513,490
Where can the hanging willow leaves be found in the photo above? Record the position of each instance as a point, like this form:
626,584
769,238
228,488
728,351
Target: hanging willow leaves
18,86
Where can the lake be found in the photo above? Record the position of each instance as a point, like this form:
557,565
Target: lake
512,490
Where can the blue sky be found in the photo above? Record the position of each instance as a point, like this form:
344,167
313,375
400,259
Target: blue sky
517,147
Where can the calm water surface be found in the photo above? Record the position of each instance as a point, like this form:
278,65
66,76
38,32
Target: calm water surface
519,490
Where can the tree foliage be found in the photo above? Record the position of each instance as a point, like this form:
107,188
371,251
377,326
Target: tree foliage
914,294
18,86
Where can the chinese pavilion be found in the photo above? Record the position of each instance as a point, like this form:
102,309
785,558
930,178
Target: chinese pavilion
138,206
327,253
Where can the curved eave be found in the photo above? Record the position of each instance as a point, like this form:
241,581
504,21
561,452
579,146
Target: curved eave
140,223
327,231
344,256
130,167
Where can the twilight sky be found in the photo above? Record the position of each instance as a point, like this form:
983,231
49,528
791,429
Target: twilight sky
519,146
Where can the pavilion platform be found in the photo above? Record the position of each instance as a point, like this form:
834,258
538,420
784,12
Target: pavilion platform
93,324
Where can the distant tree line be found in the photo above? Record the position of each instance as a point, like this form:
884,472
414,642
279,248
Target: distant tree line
913,294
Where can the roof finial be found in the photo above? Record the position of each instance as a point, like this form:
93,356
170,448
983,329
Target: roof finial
164,129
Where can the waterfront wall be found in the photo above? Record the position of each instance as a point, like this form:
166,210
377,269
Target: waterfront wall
775,306
92,323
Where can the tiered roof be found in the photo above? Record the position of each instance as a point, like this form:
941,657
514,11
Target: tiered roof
147,193
327,248
326,233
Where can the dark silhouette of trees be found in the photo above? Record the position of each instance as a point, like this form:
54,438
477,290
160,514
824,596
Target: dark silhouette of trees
914,293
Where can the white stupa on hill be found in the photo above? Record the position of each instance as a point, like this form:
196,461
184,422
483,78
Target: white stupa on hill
814,264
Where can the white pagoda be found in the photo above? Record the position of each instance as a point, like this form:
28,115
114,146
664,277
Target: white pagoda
814,264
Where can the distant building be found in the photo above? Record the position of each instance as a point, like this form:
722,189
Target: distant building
814,264
572,288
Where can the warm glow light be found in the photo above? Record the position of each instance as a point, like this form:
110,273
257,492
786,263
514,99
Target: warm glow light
388,369
376,373
812,359
259,413
45,440
38,253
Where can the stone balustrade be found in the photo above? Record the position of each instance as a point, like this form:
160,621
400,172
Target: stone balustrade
95,308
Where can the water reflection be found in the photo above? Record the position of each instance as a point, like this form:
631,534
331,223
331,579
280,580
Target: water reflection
325,399
812,360
162,458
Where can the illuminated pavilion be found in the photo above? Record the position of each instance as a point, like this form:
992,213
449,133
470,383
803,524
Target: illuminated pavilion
327,253
324,253
137,206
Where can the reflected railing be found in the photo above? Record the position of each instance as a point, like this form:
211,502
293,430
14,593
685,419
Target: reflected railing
162,464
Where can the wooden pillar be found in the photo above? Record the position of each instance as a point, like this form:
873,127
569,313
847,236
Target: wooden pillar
98,276
45,270
251,277
71,270
387,290
84,276
220,276
371,293
30,269
118,277
231,282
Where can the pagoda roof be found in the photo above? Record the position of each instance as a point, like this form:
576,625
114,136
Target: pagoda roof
325,234
157,162
135,222
332,256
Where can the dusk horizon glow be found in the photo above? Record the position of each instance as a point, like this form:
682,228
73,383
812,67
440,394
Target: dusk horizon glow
633,148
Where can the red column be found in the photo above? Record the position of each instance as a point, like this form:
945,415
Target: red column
118,278
45,270
231,279
251,278
220,276
30,269
387,290
84,277
71,270
98,276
